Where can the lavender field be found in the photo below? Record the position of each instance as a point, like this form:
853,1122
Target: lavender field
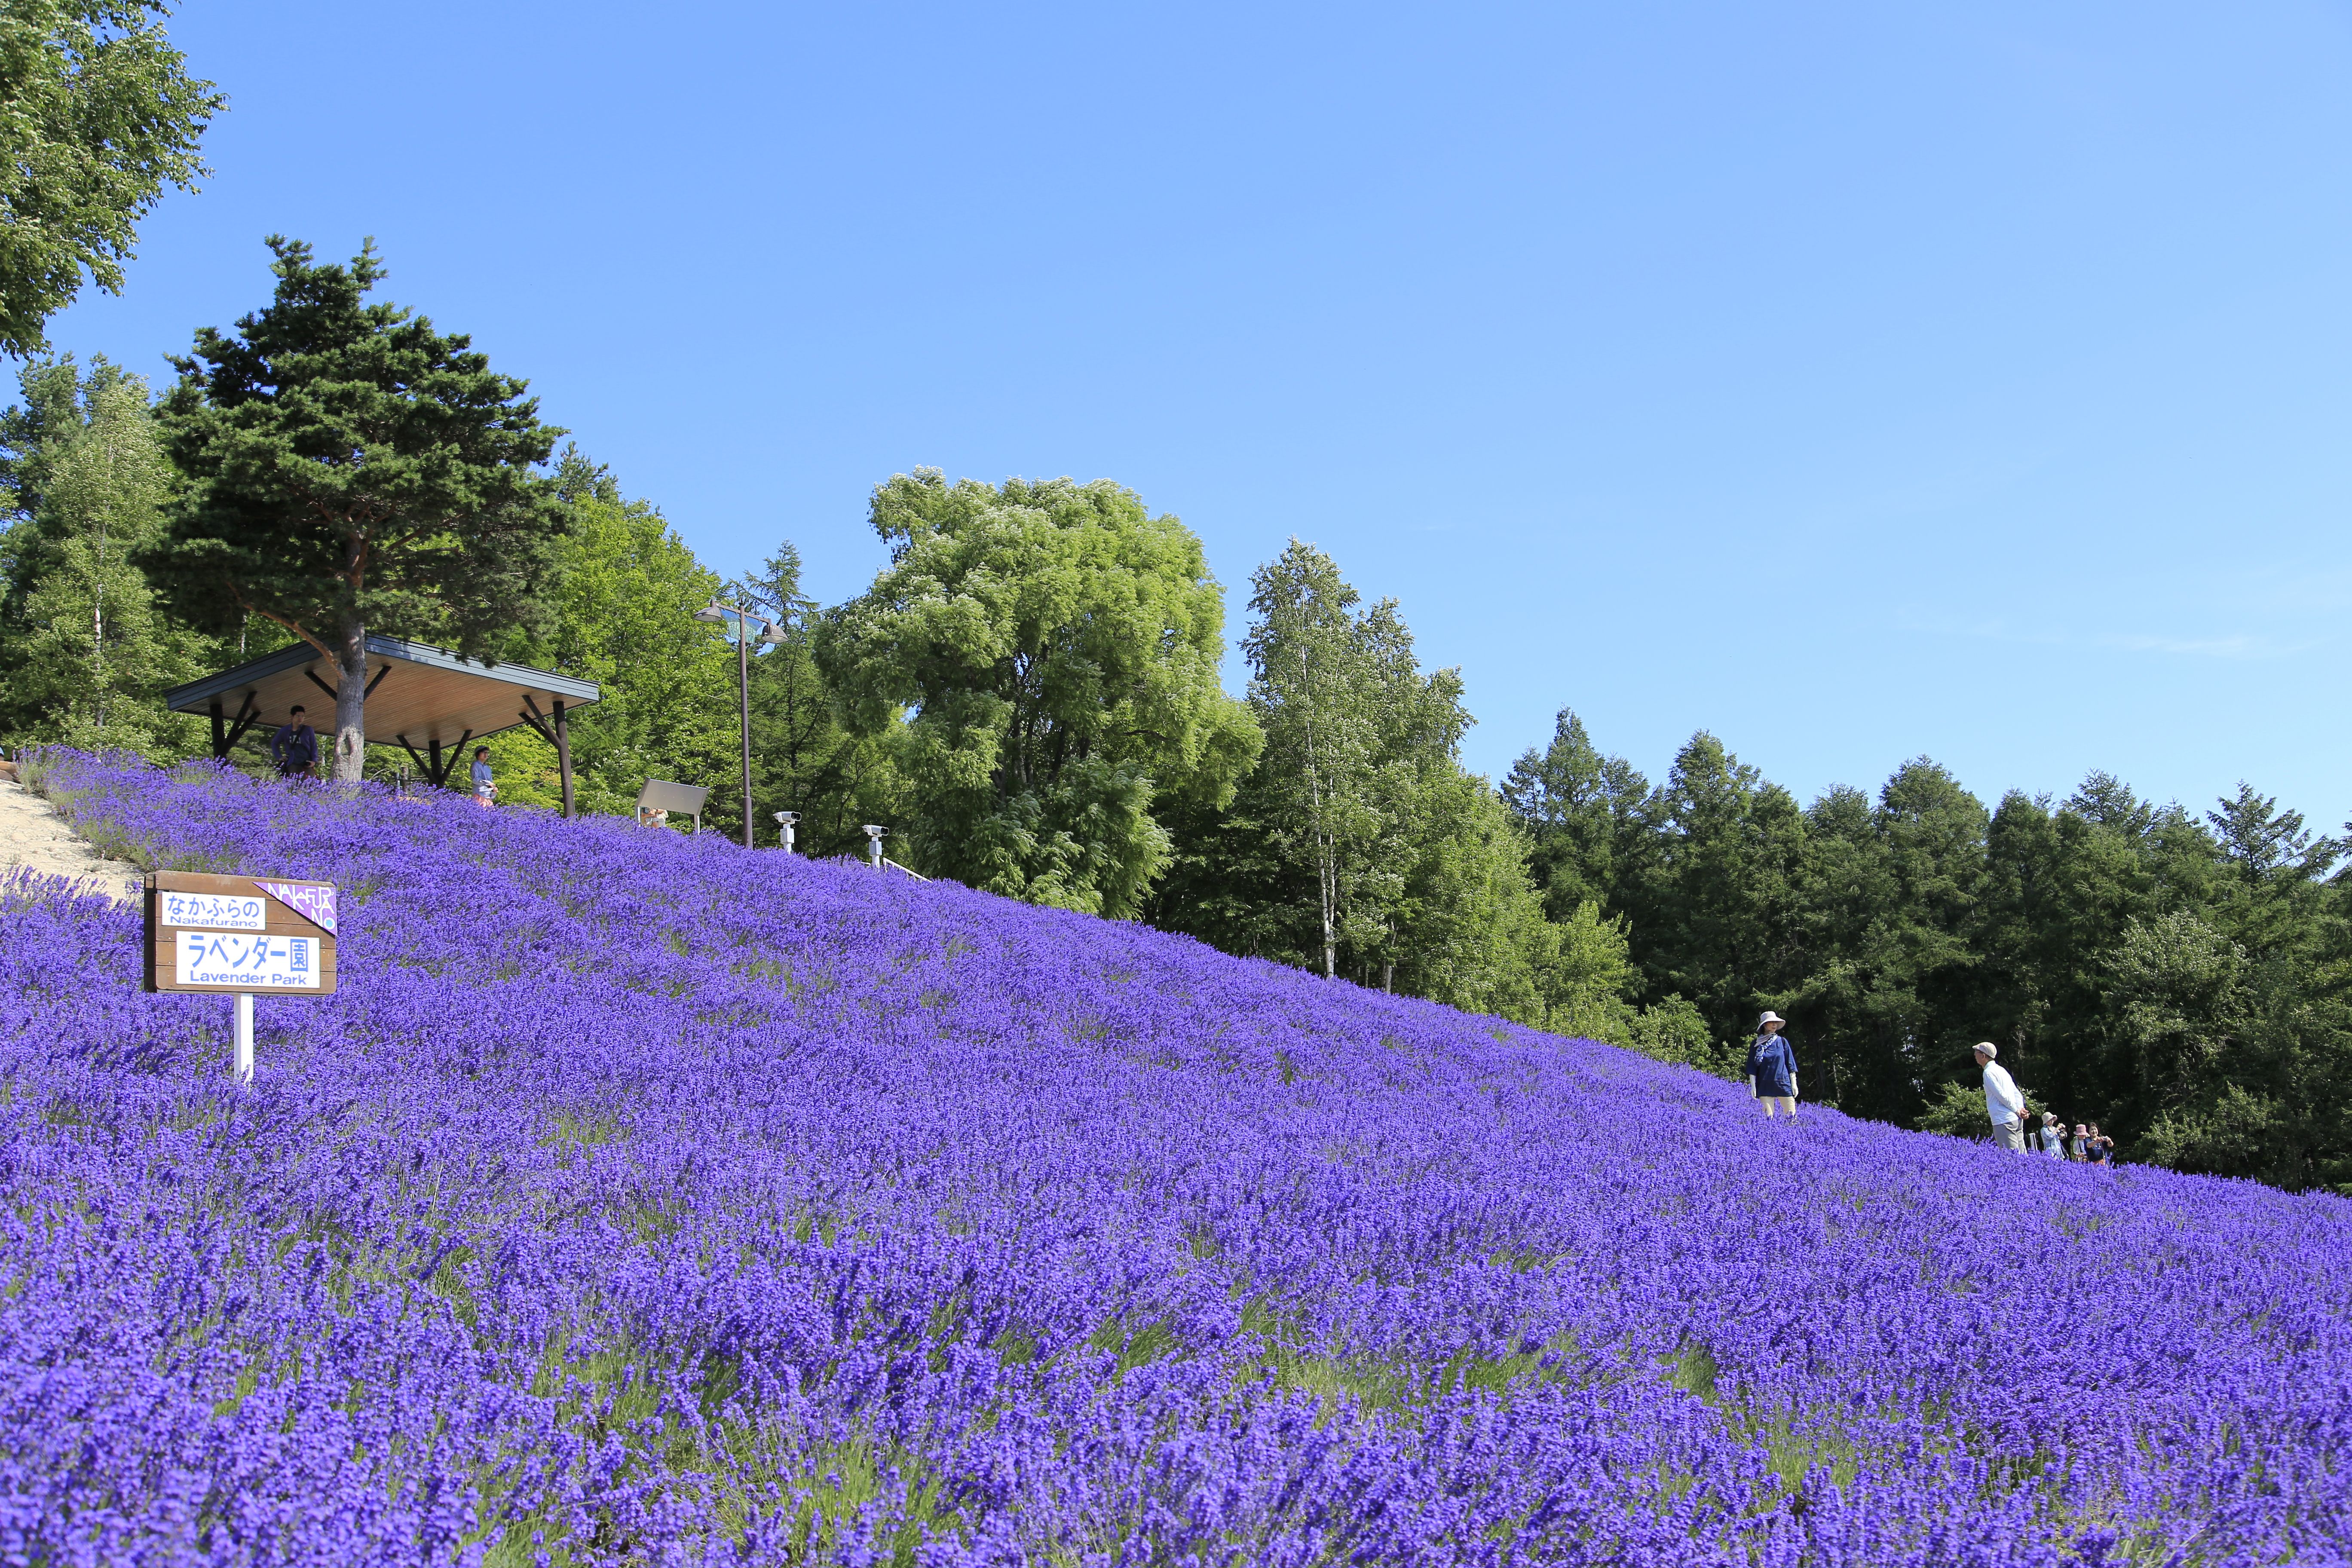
643,1200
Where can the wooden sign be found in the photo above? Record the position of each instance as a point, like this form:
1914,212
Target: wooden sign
250,934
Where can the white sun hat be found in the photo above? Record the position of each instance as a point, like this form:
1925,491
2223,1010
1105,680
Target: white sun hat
1770,1018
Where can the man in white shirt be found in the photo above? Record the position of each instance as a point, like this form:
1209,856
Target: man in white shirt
2004,1103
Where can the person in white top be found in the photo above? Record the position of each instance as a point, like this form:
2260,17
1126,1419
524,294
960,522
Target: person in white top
2004,1103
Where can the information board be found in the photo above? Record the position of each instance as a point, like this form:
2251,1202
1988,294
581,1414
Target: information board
207,932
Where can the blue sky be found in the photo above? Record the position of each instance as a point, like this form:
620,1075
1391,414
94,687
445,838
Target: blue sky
1856,381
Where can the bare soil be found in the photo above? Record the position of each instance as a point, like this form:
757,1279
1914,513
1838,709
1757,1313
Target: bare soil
33,836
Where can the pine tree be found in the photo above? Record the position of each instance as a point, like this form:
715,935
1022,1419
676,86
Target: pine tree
354,468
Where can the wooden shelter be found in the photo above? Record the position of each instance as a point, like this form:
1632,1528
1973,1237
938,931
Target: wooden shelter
427,700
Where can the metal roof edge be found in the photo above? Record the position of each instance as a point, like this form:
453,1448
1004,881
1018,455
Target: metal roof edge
569,688
190,697
293,656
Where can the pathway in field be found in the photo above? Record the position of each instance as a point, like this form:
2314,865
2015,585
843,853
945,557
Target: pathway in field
33,836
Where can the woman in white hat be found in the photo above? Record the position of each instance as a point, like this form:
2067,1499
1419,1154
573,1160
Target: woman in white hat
1772,1067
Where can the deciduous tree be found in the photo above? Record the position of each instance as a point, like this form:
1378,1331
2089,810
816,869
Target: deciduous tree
621,613
1057,647
97,115
88,654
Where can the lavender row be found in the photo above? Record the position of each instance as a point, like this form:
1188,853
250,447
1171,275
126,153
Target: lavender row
642,1199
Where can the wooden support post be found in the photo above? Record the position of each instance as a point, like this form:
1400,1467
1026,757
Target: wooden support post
376,682
220,731
434,771
247,716
563,753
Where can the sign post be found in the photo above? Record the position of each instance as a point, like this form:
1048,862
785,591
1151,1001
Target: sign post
242,935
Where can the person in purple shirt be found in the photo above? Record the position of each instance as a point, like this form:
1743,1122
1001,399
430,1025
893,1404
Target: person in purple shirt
294,747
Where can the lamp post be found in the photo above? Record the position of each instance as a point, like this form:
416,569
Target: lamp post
720,611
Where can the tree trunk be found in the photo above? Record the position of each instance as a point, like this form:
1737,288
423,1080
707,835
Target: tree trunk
1328,873
350,703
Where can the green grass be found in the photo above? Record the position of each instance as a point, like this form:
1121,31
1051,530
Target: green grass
626,1393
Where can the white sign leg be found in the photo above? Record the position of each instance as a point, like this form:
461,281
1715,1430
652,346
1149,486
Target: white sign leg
243,1069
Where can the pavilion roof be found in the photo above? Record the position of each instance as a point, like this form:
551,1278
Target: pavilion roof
418,696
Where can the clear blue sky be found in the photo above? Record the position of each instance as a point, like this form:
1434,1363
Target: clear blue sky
1855,382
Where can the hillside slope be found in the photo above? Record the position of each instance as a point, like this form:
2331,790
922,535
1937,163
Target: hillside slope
641,1199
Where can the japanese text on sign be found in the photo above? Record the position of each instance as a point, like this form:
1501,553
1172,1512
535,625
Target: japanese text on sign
228,911
252,963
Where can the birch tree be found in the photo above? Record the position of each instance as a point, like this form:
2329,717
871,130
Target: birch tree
90,651
1316,687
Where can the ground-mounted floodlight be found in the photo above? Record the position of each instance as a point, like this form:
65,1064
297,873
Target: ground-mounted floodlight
785,824
873,832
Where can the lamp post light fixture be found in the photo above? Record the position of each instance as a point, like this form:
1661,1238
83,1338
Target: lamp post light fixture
784,821
873,832
720,611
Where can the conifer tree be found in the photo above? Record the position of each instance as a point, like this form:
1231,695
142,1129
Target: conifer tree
355,470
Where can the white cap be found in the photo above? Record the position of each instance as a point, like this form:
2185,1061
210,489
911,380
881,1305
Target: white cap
1985,1048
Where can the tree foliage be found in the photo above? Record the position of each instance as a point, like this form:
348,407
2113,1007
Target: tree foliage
621,613
1362,847
804,758
2180,980
353,467
1055,646
97,115
87,653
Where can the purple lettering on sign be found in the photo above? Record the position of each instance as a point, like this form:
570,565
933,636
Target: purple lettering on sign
316,905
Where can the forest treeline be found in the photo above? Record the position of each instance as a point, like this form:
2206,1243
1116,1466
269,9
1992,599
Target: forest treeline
1028,695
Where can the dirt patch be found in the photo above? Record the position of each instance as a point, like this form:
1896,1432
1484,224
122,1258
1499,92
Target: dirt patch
35,837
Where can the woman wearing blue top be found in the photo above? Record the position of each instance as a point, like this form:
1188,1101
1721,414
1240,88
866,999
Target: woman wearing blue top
1772,1067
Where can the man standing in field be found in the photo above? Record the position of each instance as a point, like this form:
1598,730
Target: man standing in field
294,747
2004,1103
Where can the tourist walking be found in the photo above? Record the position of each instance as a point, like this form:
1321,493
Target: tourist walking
2004,1103
294,747
485,789
1771,1068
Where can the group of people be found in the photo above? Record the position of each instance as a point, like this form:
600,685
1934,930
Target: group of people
294,751
1771,1073
2014,1121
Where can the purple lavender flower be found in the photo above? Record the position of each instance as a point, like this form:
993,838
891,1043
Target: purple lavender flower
642,1199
